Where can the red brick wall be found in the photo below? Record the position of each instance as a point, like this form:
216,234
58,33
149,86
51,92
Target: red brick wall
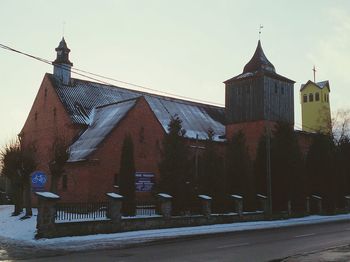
43,126
91,180
253,132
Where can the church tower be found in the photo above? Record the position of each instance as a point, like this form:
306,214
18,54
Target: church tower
62,65
257,98
315,107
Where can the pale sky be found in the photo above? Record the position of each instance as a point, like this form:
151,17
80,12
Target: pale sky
187,48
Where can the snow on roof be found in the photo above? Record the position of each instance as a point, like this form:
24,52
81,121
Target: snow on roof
321,84
204,197
165,195
105,119
81,97
114,195
47,195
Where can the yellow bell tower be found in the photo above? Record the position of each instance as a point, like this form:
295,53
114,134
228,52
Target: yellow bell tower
315,107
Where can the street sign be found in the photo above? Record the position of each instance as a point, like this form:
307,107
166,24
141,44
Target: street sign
39,180
144,181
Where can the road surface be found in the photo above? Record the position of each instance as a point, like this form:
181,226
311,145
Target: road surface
258,245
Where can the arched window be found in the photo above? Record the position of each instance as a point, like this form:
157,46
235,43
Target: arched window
311,97
305,98
317,96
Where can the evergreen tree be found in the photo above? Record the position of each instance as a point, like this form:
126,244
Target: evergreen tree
286,169
127,177
320,168
260,168
212,179
175,178
343,169
239,172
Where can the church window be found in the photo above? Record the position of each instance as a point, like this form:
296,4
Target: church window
282,90
54,112
45,92
317,96
305,98
311,97
276,90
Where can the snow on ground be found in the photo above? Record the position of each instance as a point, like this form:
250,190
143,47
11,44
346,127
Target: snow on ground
21,232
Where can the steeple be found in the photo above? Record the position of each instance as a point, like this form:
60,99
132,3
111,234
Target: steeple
62,65
259,62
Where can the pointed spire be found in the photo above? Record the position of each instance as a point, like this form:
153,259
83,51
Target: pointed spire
62,65
259,62
62,53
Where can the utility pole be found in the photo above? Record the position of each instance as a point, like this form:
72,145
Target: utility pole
268,170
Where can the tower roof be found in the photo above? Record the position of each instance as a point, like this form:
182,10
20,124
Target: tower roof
259,62
62,53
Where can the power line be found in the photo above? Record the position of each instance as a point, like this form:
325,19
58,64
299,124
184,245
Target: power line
93,76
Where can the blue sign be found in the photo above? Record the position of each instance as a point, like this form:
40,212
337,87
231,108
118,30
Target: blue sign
144,181
39,180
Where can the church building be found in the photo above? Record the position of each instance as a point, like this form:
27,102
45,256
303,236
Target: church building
93,119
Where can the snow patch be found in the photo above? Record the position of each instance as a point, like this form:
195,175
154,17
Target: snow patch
47,195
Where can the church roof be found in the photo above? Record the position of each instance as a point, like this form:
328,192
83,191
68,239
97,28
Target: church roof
320,85
259,62
258,65
103,120
81,98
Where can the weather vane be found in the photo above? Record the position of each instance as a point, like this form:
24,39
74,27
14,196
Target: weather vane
260,27
314,69
63,27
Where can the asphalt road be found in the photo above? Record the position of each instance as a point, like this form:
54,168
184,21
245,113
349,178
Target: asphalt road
259,245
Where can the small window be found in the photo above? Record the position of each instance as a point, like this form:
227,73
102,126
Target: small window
276,90
54,112
36,116
64,182
327,98
317,96
45,92
311,97
305,98
282,90
324,98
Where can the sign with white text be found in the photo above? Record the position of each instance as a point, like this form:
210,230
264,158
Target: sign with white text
144,181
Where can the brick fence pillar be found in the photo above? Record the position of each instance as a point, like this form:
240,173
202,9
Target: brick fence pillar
46,214
347,203
262,202
205,204
318,201
307,205
115,205
165,204
238,204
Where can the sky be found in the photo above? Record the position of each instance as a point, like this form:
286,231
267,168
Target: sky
186,48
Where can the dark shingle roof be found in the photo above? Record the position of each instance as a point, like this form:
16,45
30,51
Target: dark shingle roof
82,97
259,62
